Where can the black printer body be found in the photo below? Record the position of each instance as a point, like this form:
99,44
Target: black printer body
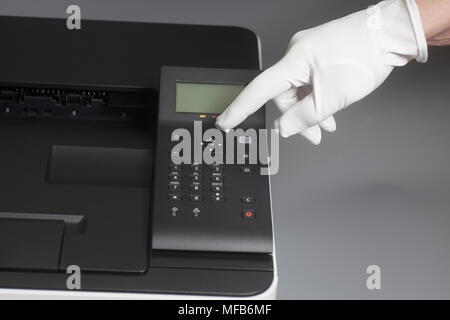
86,121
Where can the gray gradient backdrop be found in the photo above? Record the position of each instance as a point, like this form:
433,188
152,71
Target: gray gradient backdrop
375,192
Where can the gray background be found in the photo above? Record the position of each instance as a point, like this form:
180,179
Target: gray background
375,192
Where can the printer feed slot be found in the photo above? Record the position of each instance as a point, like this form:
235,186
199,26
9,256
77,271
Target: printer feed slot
76,102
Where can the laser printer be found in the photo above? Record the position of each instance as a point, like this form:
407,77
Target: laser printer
87,179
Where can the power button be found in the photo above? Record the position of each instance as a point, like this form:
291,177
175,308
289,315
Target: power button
248,214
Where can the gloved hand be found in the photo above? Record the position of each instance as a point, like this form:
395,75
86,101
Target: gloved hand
329,67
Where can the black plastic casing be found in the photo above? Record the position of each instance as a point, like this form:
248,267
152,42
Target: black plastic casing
110,231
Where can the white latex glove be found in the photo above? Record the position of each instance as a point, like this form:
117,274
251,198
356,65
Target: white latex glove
335,65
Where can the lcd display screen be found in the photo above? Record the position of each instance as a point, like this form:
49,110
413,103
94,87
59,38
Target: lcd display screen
195,97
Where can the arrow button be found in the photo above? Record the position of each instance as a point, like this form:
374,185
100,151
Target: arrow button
196,212
174,211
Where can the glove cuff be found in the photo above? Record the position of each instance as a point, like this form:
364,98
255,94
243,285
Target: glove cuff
418,31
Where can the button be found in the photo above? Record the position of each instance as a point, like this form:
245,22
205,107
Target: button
196,168
175,177
246,170
174,187
217,179
195,197
195,187
196,178
174,211
174,197
175,167
248,214
217,198
248,199
216,168
217,188
196,212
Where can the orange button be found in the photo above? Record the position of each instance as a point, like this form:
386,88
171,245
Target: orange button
248,214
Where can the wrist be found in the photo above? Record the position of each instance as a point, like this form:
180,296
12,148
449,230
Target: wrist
435,19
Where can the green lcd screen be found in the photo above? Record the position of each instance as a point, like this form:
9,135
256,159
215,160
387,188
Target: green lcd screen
205,97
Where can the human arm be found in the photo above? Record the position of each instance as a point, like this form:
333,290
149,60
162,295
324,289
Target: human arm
330,67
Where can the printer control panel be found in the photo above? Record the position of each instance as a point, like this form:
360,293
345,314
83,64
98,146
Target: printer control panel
217,206
205,183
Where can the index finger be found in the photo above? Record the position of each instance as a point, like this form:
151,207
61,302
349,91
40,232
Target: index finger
264,87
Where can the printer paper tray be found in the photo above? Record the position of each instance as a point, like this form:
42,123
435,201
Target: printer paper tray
93,168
